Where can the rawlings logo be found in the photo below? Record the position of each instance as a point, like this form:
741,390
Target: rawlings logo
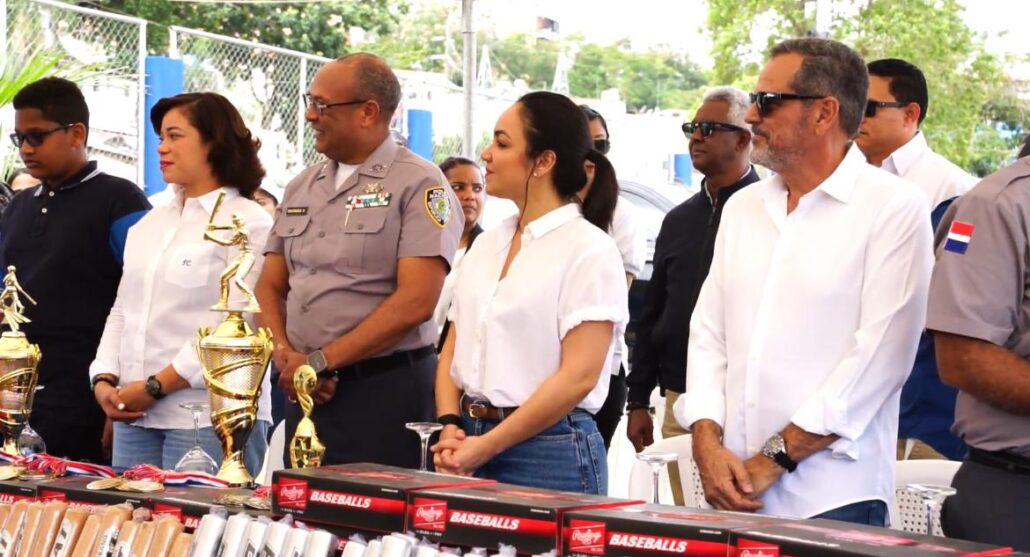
587,537
758,553
292,494
430,514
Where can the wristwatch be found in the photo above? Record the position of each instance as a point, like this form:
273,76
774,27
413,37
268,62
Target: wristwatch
776,449
153,388
317,361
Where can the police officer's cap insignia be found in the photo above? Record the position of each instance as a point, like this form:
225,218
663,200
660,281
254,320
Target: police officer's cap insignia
438,205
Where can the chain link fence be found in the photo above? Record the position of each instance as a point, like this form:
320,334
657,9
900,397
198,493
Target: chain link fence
112,50
265,83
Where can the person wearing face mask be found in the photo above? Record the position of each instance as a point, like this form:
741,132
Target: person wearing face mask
537,308
354,267
147,364
466,180
632,246
66,237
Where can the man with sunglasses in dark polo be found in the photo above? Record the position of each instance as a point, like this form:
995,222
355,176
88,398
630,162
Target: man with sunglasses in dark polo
65,237
720,145
808,322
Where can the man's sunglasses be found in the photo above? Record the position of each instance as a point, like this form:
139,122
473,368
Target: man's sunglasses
767,102
35,139
708,128
871,106
602,145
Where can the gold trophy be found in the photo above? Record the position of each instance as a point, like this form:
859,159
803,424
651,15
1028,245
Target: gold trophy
306,449
19,361
234,359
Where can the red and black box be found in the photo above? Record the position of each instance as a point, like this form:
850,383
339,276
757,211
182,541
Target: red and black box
73,491
190,504
654,529
363,497
830,538
12,491
487,515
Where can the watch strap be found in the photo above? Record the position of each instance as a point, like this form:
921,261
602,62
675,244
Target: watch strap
102,379
449,419
785,461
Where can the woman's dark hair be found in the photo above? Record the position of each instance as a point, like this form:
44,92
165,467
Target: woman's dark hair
451,162
233,149
595,115
555,123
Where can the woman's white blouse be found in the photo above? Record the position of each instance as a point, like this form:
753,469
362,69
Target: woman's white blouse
509,331
170,280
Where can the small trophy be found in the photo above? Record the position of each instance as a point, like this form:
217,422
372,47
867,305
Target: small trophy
234,359
306,449
19,361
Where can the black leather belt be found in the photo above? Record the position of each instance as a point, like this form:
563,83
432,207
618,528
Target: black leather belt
375,366
1002,460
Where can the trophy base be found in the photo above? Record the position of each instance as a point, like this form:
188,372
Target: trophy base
234,472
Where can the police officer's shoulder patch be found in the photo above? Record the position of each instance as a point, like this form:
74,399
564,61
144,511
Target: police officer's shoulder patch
438,205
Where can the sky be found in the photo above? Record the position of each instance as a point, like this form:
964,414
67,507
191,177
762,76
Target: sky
679,23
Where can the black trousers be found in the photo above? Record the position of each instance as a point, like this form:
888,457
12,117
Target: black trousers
364,422
608,416
990,506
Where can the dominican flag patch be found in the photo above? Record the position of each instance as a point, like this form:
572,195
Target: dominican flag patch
959,236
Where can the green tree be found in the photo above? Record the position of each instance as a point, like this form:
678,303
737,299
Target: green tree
318,28
522,56
962,77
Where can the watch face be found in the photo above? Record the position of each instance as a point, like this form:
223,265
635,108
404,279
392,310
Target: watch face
317,361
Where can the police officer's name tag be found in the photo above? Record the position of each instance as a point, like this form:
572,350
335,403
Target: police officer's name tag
296,211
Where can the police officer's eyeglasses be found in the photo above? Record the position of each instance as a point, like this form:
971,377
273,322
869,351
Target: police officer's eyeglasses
320,107
767,102
35,139
708,128
871,106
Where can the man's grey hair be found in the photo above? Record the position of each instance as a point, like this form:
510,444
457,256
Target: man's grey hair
736,99
374,80
830,69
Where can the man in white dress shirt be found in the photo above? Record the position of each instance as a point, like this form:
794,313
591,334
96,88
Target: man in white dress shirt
807,324
890,138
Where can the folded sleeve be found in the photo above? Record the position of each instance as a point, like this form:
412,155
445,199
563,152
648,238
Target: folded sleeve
594,289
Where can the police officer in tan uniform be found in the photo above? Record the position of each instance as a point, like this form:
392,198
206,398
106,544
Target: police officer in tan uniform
979,314
354,265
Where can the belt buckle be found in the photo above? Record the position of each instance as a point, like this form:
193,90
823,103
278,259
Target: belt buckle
478,410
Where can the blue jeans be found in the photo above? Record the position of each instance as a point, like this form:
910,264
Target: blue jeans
164,447
568,456
873,513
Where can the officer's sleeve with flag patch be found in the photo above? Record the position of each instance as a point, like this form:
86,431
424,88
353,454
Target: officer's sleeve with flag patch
977,287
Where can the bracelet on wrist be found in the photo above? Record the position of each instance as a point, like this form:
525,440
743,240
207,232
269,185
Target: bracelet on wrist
449,419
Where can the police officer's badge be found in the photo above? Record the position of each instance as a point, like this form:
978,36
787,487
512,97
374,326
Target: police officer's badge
438,205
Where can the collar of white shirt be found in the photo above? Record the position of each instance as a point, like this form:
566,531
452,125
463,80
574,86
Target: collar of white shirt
905,156
540,227
206,201
839,185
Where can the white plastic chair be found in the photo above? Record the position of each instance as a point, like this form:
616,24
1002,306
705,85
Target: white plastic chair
908,513
274,455
641,478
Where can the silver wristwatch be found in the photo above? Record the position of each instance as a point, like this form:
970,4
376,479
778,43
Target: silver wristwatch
317,361
776,449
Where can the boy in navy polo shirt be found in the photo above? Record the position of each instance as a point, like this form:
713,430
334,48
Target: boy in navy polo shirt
66,237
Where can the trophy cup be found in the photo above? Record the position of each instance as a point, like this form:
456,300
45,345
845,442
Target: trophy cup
306,449
234,358
18,365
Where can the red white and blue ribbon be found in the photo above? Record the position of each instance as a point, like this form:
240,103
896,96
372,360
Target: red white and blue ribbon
47,464
150,472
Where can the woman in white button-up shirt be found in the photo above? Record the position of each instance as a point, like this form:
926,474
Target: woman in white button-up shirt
170,280
538,303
